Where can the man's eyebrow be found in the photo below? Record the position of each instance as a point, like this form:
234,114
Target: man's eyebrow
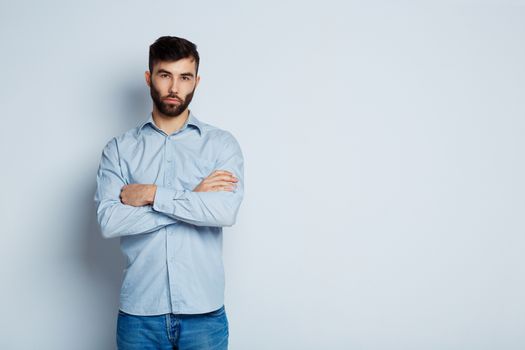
186,74
163,71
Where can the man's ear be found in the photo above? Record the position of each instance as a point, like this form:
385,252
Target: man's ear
197,80
147,76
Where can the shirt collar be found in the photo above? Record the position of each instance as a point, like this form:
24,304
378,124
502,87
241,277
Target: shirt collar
192,120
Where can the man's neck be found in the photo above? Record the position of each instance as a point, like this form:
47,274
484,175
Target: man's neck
169,124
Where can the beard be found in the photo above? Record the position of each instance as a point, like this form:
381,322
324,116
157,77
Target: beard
170,109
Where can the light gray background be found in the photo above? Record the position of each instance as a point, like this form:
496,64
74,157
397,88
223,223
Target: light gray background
383,142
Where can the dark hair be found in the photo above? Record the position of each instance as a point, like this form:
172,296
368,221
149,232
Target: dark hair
172,48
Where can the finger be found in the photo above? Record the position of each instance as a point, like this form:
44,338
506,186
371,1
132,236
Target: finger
220,183
222,177
220,172
221,188
211,180
230,178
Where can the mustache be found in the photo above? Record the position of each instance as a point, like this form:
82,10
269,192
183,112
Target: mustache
173,97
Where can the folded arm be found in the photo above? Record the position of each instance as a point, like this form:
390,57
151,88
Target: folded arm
207,208
117,219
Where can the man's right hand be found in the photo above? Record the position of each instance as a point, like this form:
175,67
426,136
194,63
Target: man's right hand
218,180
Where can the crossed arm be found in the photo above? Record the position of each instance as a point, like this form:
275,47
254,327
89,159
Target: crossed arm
139,195
130,209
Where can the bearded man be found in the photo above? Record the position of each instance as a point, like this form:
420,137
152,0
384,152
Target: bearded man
166,188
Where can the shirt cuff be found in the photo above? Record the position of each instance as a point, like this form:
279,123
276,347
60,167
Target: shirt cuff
164,198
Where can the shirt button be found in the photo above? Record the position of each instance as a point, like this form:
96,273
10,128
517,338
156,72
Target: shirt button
169,183
168,160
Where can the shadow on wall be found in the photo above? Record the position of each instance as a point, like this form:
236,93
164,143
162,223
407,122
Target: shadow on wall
101,258
136,106
103,263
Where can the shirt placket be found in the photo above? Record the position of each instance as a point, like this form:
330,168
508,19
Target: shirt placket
171,263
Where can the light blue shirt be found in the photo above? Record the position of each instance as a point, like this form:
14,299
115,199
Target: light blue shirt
173,248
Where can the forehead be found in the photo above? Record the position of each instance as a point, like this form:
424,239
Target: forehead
183,65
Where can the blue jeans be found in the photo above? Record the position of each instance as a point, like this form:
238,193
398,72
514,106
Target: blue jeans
207,331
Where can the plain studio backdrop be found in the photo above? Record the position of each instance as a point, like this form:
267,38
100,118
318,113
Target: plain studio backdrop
384,163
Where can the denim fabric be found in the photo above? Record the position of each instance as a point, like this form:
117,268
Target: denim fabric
208,331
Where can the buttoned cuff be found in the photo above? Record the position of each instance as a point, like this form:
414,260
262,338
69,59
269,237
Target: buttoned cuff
164,198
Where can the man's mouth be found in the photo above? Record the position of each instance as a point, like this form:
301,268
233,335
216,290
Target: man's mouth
172,100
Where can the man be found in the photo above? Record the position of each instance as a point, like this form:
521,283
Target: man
166,188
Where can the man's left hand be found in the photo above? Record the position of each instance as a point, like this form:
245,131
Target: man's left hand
138,195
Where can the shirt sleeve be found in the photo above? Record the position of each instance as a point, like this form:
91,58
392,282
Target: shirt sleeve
115,218
207,208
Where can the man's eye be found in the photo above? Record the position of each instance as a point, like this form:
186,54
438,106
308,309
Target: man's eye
185,78
164,75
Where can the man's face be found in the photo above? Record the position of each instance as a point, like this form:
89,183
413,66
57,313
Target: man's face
172,84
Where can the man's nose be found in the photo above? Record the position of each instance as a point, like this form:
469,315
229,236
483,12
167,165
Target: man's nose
174,87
